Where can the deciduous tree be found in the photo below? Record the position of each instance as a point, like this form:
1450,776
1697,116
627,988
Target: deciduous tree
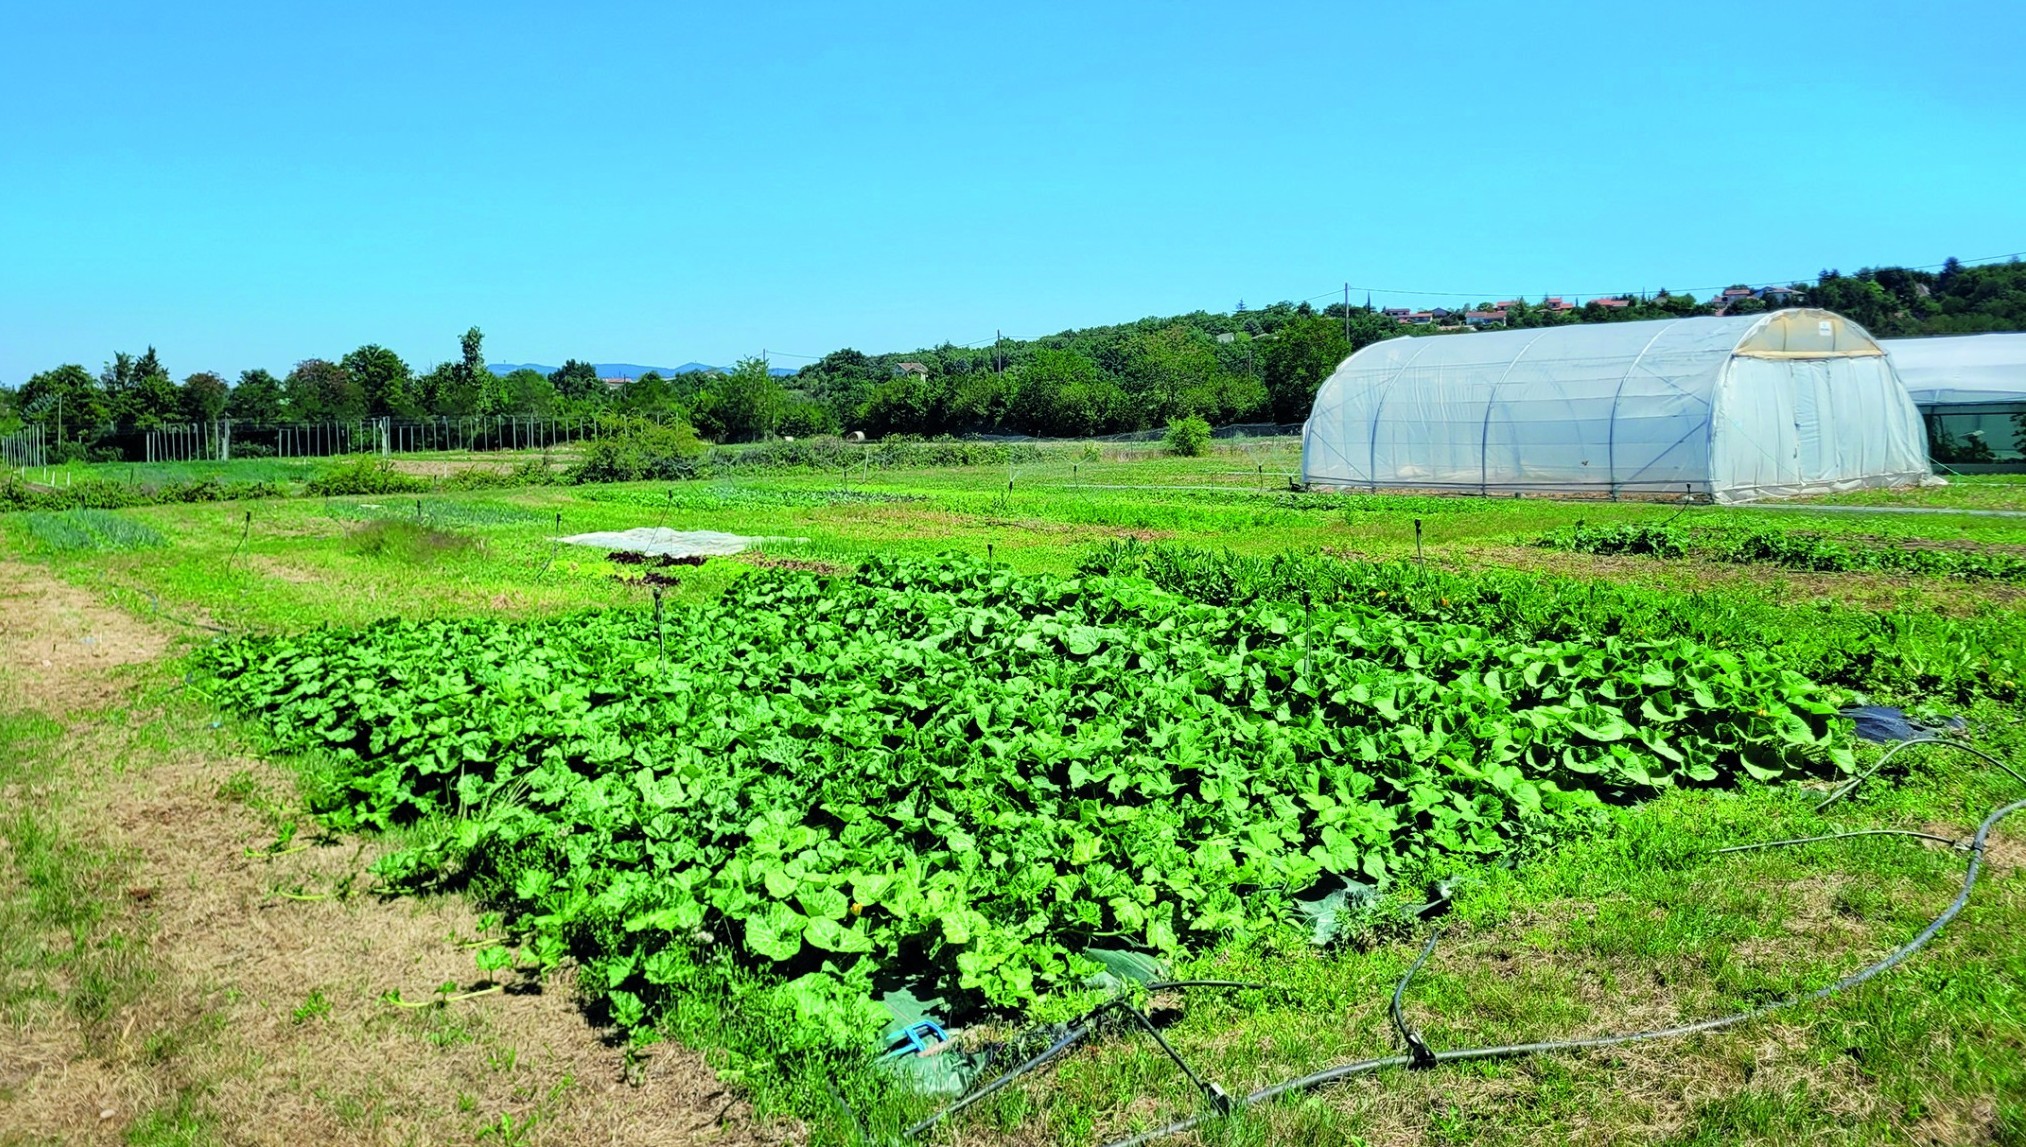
204,397
257,398
323,391
383,381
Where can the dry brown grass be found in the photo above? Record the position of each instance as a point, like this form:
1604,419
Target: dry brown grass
224,1017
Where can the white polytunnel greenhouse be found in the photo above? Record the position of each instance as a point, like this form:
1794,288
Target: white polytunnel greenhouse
1971,392
1725,408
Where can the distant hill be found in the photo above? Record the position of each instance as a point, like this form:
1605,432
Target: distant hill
624,369
606,369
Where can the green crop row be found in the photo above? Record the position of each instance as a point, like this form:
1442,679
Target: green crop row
91,530
946,780
99,494
1906,655
1787,549
718,496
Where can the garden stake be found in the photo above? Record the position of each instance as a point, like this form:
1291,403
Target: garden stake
660,642
555,544
244,530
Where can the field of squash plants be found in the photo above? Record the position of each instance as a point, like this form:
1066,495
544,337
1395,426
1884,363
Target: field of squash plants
942,779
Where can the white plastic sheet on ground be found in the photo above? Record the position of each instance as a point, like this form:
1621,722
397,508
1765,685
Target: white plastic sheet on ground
1961,370
1733,408
660,541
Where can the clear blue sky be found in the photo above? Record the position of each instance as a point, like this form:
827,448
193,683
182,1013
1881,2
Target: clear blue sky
251,184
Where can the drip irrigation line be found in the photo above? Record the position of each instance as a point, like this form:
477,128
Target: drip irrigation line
1215,1094
554,546
244,531
1077,1032
1508,1051
864,1136
1419,1054
1948,840
1851,785
1068,1039
156,601
1417,1049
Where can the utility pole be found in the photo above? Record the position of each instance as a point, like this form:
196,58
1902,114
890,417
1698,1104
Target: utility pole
1347,313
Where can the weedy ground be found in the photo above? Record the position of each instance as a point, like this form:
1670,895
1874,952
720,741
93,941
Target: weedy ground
188,958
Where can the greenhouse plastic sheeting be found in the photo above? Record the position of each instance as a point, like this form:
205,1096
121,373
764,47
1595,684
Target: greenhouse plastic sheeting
1732,408
1961,370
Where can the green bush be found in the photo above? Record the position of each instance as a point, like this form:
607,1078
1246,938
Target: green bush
527,472
640,450
366,476
398,539
894,452
1188,437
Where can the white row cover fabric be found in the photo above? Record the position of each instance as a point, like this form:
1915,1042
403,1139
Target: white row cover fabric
1730,408
1960,370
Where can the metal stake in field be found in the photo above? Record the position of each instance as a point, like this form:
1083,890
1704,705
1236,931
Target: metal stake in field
1417,544
660,640
555,544
243,532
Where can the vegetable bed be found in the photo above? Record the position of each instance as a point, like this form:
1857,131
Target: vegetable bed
944,779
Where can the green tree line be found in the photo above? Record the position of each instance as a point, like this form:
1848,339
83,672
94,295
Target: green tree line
1247,365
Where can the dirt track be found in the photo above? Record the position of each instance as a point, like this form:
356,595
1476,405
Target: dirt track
249,992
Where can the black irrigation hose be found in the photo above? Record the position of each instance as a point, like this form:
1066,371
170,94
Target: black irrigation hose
1417,1048
1068,1039
1362,1067
1866,775
1077,1032
1420,1056
1950,841
1507,1051
1211,1091
244,532
156,601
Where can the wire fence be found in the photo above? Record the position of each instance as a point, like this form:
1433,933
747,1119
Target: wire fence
25,448
224,439
1238,430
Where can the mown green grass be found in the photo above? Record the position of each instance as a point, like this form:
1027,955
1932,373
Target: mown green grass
1641,926
1638,926
1968,491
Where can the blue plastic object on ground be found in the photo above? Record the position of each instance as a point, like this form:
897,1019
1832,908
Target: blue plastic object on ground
908,1041
1884,723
